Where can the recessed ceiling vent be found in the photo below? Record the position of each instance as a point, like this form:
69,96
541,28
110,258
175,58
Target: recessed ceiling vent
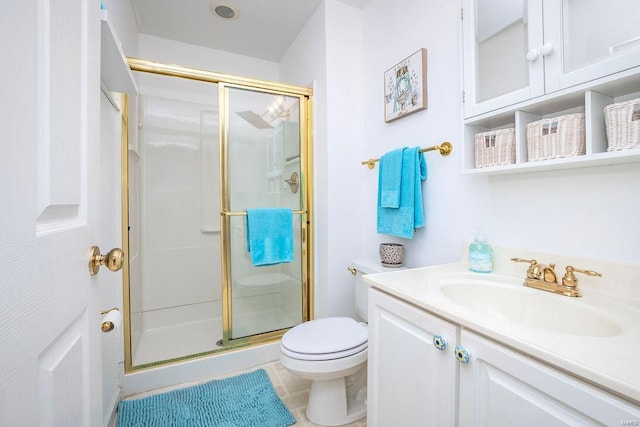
224,11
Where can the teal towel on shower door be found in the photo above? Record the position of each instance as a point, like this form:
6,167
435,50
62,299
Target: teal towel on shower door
409,215
270,236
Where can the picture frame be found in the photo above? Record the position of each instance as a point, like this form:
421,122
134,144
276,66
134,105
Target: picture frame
405,87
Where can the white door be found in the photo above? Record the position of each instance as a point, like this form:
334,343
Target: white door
49,118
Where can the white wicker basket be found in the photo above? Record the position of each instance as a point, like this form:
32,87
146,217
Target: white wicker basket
623,125
556,137
496,147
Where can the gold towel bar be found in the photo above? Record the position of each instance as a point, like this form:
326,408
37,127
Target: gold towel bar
445,149
245,214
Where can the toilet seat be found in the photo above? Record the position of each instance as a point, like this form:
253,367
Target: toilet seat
325,339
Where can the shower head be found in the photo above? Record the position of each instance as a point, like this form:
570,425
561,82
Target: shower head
255,119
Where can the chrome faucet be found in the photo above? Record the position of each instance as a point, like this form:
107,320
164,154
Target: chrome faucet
543,277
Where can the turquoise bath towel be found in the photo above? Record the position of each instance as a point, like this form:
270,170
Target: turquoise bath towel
409,215
270,236
390,178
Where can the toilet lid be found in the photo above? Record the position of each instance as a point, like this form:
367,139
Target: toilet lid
327,338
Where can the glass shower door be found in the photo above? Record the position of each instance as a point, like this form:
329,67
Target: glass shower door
263,146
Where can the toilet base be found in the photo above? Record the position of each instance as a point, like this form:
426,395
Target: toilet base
328,404
333,381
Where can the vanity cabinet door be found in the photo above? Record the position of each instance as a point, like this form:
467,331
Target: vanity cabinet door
499,387
410,381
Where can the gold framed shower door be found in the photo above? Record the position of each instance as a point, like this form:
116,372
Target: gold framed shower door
226,82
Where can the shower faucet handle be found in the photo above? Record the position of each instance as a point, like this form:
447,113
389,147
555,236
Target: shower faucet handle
293,182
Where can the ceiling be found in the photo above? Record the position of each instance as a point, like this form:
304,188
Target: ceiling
261,28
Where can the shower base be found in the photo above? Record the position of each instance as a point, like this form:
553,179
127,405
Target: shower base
177,332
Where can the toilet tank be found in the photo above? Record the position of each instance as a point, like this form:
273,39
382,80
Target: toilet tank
361,288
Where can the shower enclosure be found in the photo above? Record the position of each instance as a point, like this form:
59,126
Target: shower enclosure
209,147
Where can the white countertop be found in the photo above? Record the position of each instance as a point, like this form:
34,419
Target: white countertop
611,362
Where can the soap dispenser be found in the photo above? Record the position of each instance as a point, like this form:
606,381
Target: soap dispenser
480,255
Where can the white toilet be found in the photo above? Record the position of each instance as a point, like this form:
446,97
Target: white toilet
329,350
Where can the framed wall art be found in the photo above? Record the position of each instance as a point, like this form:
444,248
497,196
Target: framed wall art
405,87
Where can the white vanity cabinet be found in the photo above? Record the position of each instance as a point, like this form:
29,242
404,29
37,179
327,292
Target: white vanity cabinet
501,387
522,49
410,381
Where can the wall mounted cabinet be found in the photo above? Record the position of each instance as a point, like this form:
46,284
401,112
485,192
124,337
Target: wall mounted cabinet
518,50
533,59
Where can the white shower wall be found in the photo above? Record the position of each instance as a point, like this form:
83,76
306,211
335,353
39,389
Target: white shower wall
180,223
176,297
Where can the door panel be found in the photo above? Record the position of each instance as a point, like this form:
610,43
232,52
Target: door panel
49,326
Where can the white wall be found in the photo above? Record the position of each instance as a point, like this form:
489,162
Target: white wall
188,55
344,138
589,212
328,54
581,212
304,64
451,200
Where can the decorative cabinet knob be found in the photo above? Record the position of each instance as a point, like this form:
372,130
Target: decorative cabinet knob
462,354
533,55
439,342
546,49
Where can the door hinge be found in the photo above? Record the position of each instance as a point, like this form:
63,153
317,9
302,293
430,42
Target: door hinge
461,14
463,97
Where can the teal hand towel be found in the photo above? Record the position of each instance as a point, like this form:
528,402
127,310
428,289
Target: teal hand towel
409,215
420,175
390,178
270,236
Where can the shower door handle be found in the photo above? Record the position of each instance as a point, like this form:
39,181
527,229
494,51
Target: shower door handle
226,213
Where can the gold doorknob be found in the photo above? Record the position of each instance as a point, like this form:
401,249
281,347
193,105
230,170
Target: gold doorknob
113,260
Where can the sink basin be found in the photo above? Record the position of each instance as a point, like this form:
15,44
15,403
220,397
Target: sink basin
530,308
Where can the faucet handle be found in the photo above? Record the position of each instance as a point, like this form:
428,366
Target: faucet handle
533,272
570,280
532,261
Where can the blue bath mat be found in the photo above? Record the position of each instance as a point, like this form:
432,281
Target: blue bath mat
246,400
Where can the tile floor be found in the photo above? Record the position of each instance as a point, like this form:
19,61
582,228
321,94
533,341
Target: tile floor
292,390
